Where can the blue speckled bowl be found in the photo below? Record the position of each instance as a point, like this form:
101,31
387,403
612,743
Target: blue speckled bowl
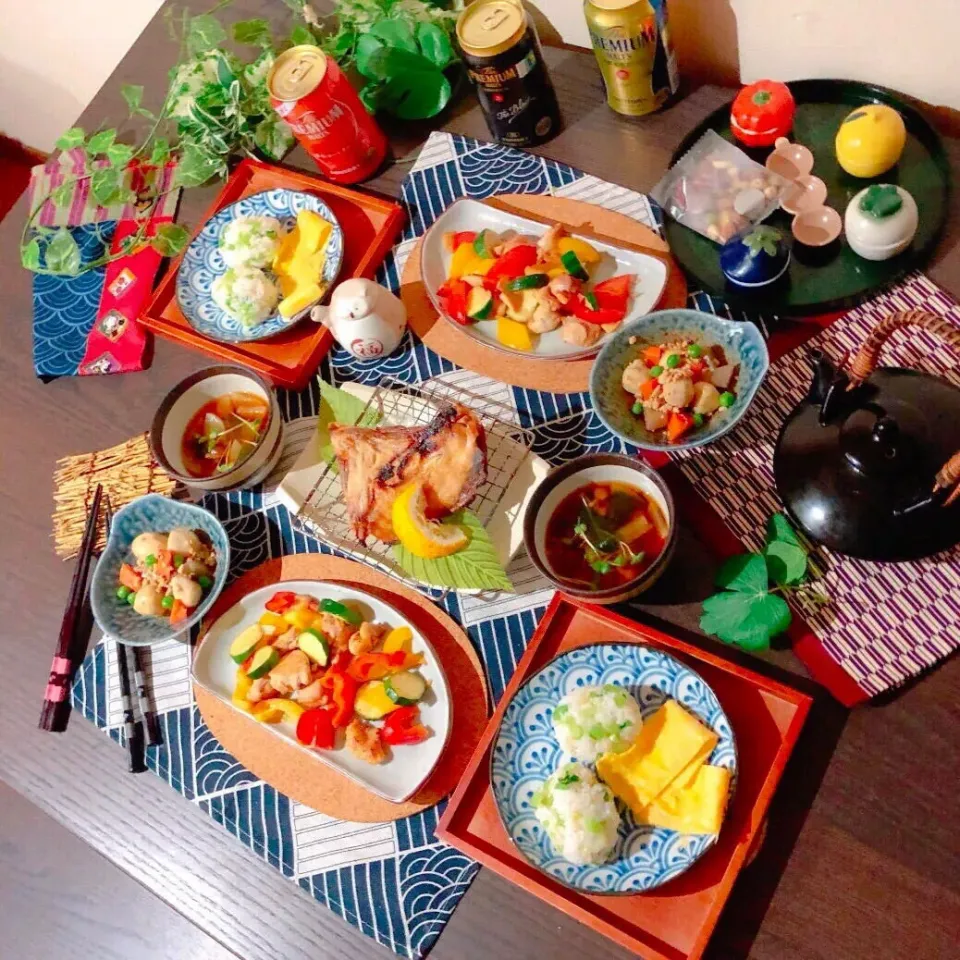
525,752
150,513
741,342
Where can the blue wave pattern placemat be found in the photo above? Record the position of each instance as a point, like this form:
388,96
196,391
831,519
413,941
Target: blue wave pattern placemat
394,881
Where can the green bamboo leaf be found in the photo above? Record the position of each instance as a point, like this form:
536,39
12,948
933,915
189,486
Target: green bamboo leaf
169,239
62,254
100,142
434,44
745,573
204,33
30,255
74,137
254,33
338,406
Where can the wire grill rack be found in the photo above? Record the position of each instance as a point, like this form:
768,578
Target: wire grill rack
396,403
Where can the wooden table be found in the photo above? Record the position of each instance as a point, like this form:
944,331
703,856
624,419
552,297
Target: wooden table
873,874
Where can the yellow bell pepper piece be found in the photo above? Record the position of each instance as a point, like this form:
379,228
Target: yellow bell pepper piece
270,619
512,333
300,617
400,638
277,709
314,231
477,267
303,296
585,253
241,689
463,257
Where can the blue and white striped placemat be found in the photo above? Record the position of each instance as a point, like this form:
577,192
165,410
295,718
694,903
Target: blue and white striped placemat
394,881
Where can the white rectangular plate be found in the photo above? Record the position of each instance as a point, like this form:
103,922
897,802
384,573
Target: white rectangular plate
409,766
465,214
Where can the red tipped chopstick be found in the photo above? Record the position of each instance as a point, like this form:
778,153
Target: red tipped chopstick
56,701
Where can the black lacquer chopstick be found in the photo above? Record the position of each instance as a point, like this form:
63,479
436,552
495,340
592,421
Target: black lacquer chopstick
131,729
150,723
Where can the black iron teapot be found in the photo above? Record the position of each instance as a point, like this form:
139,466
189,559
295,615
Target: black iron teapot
869,464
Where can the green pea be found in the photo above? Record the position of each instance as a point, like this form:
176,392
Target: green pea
131,597
695,351
673,361
656,371
179,559
637,408
727,399
205,582
698,420
149,559
167,601
123,592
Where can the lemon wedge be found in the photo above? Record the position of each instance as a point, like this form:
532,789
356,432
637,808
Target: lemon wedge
422,537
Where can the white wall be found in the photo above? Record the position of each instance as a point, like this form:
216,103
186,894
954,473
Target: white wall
55,55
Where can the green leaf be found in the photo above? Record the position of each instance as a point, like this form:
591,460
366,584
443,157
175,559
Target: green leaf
338,406
255,32
370,96
435,44
302,36
368,46
881,200
119,154
72,138
100,142
343,43
160,153
30,255
198,165
779,529
475,567
745,573
62,254
105,185
169,239
132,93
204,33
414,89
747,620
273,138
787,563
395,33
63,194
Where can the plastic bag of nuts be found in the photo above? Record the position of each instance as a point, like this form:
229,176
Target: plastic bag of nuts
717,190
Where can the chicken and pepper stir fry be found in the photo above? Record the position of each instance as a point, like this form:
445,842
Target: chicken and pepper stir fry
170,573
679,386
321,665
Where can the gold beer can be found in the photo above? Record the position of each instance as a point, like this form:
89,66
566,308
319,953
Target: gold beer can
631,40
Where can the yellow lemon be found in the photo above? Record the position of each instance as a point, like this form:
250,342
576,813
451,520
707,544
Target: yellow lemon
422,537
870,140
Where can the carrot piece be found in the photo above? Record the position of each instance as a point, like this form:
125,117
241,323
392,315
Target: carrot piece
165,564
129,577
647,388
678,425
651,356
178,612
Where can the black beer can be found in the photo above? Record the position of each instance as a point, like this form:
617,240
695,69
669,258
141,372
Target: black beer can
504,61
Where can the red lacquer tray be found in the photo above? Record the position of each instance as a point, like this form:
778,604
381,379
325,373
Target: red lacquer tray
676,921
370,226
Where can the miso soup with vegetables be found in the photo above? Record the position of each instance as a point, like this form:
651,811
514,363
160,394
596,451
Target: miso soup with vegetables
223,433
678,387
604,534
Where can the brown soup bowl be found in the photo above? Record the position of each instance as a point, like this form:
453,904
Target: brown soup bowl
597,468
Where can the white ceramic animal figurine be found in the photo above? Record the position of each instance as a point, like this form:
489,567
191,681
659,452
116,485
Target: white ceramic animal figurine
366,319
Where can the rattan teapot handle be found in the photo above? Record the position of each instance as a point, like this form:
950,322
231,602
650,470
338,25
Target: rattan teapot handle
867,357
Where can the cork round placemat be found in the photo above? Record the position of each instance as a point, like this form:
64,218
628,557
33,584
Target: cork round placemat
556,376
301,777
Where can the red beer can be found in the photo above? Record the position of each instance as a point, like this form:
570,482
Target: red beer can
321,107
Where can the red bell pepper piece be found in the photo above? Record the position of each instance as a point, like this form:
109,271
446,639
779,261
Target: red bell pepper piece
513,263
614,293
453,300
281,602
315,728
375,666
403,727
464,236
583,311
341,688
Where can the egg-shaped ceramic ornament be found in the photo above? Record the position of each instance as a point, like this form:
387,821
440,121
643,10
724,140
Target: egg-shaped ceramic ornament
755,258
881,221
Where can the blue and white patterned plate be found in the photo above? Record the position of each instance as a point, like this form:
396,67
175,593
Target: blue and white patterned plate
202,264
153,512
526,752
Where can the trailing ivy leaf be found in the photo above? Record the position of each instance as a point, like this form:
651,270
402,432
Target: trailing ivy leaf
255,32
160,153
786,562
100,142
204,33
476,567
119,154
414,89
395,33
62,254
63,194
105,185
748,620
302,36
198,165
369,47
343,43
746,573
132,93
169,239
435,44
273,138
370,96
30,254
779,529
74,137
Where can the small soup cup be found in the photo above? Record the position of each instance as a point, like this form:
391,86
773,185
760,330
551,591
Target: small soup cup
186,398
597,468
817,227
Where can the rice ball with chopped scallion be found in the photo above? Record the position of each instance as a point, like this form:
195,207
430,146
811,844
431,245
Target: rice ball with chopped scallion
591,721
251,241
246,293
578,813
